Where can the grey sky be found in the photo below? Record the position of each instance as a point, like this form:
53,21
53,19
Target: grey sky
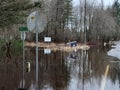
106,2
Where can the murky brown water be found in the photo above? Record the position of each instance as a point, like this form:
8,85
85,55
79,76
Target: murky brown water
80,70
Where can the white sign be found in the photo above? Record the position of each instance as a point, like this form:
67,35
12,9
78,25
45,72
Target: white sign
36,21
23,35
31,21
47,51
47,39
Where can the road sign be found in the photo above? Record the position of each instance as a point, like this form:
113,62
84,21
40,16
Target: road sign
47,39
23,29
36,21
31,21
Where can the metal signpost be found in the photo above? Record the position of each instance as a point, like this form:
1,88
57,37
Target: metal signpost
37,50
36,22
32,23
23,30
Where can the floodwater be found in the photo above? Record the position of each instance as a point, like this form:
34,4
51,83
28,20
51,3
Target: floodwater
77,70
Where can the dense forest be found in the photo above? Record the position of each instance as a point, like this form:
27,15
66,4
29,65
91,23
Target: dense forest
65,21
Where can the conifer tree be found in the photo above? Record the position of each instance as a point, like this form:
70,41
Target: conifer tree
14,11
117,6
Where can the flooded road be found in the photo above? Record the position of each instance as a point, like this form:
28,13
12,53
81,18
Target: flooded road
77,70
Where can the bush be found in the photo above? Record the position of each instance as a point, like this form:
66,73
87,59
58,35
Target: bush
17,47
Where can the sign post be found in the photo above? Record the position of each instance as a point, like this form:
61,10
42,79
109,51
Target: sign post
23,30
32,23
36,50
35,21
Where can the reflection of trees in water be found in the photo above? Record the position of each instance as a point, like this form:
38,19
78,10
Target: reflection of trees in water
84,69
99,62
9,53
54,73
10,68
52,70
90,67
115,73
9,77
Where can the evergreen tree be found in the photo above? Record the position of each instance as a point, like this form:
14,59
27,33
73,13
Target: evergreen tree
67,12
14,11
117,6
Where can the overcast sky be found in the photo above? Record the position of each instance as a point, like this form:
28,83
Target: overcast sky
106,2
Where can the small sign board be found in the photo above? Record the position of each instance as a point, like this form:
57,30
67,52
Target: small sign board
47,39
47,51
23,29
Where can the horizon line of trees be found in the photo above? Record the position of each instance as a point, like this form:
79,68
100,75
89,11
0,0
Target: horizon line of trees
64,22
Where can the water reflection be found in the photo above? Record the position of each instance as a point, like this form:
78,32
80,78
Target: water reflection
55,73
71,59
115,73
52,71
80,70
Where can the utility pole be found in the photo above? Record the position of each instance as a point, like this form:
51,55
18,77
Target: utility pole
85,22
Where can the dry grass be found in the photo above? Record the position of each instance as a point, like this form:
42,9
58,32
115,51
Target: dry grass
55,47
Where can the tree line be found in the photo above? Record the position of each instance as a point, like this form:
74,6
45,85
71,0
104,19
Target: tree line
64,21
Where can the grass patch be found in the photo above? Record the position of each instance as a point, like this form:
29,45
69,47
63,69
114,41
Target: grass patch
17,47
